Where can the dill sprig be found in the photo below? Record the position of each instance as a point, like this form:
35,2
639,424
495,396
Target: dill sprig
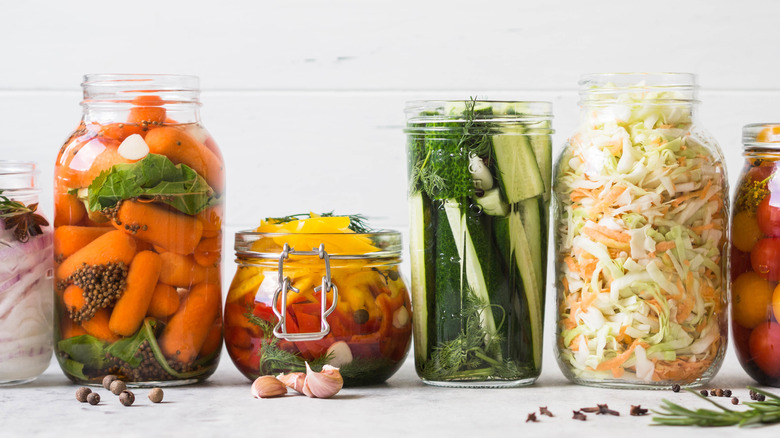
357,222
759,412
273,359
473,354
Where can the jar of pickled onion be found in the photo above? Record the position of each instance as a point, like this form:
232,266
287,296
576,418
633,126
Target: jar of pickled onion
315,291
139,192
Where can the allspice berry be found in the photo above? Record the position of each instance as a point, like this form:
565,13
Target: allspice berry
82,393
127,398
107,381
117,386
93,398
156,395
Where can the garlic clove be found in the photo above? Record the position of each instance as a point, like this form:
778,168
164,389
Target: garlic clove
293,380
340,354
400,317
267,387
133,147
324,384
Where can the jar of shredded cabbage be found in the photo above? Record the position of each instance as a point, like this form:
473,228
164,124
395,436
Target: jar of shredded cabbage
641,210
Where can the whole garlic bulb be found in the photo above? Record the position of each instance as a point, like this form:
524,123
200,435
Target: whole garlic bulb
324,384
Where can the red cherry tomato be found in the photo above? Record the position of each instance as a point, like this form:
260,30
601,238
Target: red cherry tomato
765,258
768,216
765,348
760,173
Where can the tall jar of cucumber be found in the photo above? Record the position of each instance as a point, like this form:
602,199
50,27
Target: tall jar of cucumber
479,188
640,224
139,192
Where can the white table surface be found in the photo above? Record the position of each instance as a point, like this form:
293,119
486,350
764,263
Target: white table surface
223,406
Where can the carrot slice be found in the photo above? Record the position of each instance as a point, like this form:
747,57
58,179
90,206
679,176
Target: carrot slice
129,311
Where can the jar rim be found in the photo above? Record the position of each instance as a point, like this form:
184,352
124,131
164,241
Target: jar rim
122,88
535,116
753,135
647,87
392,239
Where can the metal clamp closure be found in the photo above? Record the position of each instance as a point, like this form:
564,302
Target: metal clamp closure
280,330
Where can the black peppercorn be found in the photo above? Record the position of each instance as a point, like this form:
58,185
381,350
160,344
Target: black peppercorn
704,392
360,316
726,393
676,388
734,401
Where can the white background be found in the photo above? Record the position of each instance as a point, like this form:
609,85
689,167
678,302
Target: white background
306,98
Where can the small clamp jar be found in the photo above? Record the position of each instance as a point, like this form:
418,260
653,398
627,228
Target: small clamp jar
318,298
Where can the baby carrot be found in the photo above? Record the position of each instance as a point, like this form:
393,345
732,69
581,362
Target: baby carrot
189,327
68,210
212,221
213,340
114,246
180,271
131,308
97,326
71,329
120,131
159,226
208,251
181,147
70,238
165,301
147,110
73,297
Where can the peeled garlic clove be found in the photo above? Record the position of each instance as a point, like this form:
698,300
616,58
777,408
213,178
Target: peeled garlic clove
267,387
293,380
133,147
324,384
340,354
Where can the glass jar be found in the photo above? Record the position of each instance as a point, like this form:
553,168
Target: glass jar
139,197
640,223
479,190
25,277
276,320
755,255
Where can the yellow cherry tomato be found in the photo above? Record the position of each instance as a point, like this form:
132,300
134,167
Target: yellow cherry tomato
744,231
752,299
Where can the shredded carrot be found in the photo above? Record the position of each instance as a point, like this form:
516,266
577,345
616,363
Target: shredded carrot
613,194
701,228
618,360
596,235
665,246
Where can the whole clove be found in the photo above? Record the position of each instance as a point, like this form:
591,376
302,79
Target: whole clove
638,411
544,411
589,410
605,410
578,415
531,418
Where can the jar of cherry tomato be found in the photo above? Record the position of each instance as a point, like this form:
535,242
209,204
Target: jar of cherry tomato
139,191
755,256
318,298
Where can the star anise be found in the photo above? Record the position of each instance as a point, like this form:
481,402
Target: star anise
21,218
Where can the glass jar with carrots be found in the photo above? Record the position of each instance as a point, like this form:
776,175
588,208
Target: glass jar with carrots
139,192
755,256
316,290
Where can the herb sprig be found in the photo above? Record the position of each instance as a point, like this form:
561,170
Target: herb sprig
22,219
760,412
357,222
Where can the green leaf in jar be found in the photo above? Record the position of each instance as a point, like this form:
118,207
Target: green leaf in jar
85,349
153,177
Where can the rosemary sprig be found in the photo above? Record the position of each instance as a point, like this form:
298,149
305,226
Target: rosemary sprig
760,412
357,222
22,219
